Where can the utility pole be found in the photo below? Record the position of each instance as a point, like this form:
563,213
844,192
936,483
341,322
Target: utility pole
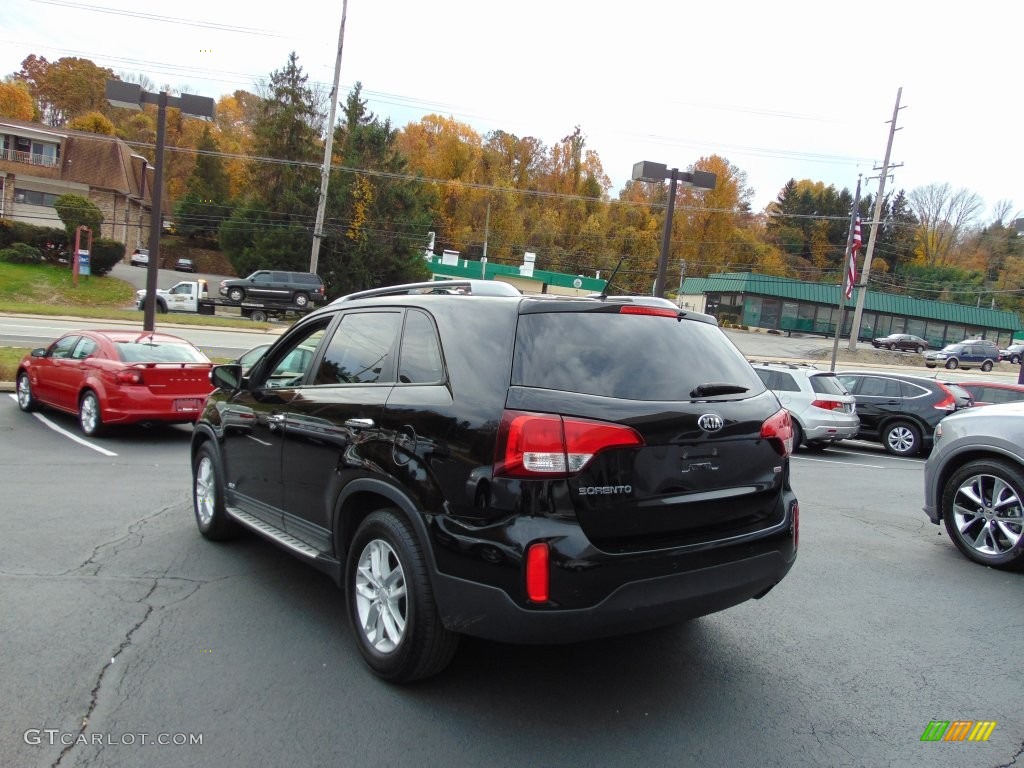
875,223
325,170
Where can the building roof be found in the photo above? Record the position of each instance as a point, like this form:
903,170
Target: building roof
874,301
469,268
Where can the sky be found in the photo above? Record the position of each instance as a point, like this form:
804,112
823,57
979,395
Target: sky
783,90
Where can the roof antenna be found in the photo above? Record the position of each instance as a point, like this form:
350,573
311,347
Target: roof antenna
608,283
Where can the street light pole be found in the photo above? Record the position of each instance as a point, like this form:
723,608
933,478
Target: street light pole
131,96
645,170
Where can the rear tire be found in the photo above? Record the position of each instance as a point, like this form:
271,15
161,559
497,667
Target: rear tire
919,349
26,401
208,496
983,510
892,347
90,417
301,300
258,316
390,602
986,366
902,438
798,435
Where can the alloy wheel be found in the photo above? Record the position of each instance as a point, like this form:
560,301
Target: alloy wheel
901,439
380,593
90,414
24,392
205,490
988,514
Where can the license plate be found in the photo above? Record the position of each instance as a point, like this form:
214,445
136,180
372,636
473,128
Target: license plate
188,404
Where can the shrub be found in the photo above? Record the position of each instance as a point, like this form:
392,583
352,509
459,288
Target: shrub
105,254
21,253
51,242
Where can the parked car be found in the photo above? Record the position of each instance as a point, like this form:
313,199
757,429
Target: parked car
116,377
823,411
974,483
140,257
992,392
1013,353
184,265
904,342
298,288
901,410
965,354
521,468
251,357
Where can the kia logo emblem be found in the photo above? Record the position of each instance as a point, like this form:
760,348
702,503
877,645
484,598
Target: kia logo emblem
710,422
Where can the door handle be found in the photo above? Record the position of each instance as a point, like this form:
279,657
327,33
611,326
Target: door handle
359,423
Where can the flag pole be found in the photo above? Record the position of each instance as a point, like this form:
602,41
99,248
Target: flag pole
849,275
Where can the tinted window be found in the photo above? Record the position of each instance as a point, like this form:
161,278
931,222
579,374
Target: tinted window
785,382
914,390
361,350
420,358
305,277
260,277
85,348
62,347
827,385
290,363
635,357
873,386
159,352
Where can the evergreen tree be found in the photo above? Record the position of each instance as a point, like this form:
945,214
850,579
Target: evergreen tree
205,204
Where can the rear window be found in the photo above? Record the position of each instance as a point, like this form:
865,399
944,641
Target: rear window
159,352
827,384
305,277
633,357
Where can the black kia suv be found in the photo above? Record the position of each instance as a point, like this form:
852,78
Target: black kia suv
464,459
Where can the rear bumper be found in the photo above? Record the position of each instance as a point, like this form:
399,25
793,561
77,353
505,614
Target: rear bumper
488,612
820,432
130,410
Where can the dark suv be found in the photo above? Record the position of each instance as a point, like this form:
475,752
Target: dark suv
298,288
525,469
901,410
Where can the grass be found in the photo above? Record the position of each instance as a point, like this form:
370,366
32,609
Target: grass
9,358
46,289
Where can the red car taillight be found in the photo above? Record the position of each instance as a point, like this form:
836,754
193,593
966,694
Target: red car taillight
829,405
129,376
543,445
778,430
948,403
537,570
640,309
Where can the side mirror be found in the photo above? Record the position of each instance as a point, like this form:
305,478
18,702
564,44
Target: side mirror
39,352
227,377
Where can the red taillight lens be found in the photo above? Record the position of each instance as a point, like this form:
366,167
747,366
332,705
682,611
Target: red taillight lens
537,570
130,376
828,405
550,446
640,309
778,430
948,403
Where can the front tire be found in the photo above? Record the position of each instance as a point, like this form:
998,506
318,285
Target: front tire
983,510
90,417
1014,359
208,496
892,347
26,401
919,349
901,438
236,294
390,602
952,363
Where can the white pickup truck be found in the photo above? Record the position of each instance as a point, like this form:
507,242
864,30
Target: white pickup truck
194,296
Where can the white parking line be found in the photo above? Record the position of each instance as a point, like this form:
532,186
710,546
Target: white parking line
69,435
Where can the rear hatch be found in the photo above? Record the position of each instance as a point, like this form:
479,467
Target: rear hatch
708,463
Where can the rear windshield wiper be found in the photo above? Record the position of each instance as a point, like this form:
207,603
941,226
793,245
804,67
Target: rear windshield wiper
716,388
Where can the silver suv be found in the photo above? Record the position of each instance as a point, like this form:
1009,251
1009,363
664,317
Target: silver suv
823,411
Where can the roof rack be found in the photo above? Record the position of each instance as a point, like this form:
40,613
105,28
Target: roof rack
443,287
784,363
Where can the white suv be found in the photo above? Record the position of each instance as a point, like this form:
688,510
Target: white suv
823,411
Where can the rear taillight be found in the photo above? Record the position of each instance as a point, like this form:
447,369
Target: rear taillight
948,403
778,430
550,446
537,570
129,376
828,405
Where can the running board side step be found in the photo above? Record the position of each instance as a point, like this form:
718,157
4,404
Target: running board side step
323,562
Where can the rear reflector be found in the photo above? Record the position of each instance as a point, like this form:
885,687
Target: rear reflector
796,525
537,569
778,430
544,445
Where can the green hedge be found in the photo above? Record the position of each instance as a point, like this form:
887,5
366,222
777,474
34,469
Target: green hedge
21,253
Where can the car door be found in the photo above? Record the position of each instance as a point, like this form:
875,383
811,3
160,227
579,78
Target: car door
253,423
333,426
62,373
181,298
877,398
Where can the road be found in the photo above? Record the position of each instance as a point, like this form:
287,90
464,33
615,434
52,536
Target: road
117,614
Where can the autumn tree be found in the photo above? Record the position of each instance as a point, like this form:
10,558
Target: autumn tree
67,87
945,217
93,122
16,100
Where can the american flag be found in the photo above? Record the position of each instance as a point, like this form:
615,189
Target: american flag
851,269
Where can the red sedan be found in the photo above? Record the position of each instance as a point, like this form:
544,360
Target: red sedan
990,392
117,377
